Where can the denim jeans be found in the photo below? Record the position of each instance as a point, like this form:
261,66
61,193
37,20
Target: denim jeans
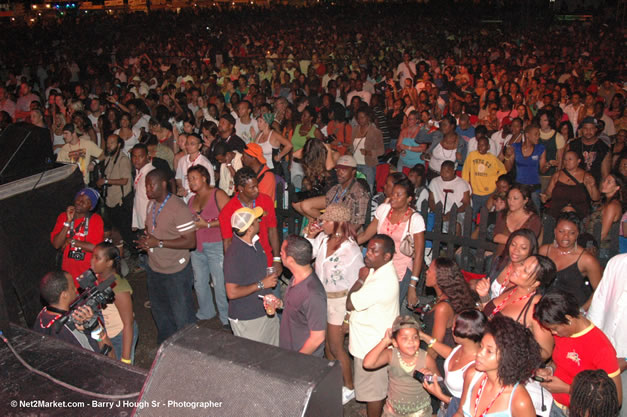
535,198
452,407
370,173
556,411
297,174
210,262
478,201
403,288
171,300
117,343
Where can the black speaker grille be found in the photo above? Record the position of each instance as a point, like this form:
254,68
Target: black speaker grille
200,372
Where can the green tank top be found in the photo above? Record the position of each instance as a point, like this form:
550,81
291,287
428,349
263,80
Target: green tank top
298,141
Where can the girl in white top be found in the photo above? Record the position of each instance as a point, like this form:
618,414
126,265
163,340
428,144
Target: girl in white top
397,219
337,265
269,140
130,134
468,330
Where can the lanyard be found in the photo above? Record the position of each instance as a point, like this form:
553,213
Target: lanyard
339,198
139,177
191,163
244,205
504,302
51,322
155,215
478,397
74,231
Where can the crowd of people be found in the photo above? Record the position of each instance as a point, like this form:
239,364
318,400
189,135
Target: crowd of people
189,141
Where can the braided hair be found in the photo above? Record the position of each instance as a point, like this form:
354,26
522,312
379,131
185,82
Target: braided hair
593,394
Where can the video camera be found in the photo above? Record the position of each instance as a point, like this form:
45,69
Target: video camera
92,294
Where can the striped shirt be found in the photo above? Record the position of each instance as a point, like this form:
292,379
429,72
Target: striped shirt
171,222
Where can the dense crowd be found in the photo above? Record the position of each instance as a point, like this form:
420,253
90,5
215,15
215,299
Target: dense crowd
357,120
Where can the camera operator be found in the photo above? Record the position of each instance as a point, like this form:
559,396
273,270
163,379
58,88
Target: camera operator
77,231
58,290
116,190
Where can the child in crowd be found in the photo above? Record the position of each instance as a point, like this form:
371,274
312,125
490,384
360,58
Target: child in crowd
406,395
418,176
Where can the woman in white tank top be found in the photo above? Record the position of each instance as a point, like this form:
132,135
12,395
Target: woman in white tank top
269,140
468,330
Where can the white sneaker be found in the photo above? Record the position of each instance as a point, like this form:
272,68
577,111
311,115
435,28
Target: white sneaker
347,395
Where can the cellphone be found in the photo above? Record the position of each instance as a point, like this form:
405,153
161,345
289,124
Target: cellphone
419,376
538,378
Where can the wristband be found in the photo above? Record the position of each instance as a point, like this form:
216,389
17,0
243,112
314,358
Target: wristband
95,334
414,278
276,259
346,321
432,342
361,281
126,361
66,224
412,285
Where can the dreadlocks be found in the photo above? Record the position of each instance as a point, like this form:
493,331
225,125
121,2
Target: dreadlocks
593,394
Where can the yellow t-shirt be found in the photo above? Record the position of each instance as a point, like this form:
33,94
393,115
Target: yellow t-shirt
80,154
482,172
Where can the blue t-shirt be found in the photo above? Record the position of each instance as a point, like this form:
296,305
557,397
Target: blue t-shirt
465,134
528,168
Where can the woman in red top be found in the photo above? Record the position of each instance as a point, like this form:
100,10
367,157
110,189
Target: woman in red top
78,231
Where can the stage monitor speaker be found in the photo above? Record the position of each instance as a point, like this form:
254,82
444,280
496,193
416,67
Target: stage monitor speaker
204,372
25,149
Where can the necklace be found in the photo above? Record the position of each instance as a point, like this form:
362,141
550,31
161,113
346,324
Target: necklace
480,392
407,367
391,227
567,252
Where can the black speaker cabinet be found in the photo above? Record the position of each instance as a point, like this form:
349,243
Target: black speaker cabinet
25,149
204,372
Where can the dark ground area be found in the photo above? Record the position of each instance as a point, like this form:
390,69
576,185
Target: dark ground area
147,344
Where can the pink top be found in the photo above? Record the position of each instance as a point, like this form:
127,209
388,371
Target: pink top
210,212
397,232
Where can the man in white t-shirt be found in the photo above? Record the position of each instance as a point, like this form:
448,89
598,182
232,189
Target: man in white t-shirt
608,311
406,69
93,115
359,92
482,132
245,126
449,189
230,162
574,109
141,162
193,144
